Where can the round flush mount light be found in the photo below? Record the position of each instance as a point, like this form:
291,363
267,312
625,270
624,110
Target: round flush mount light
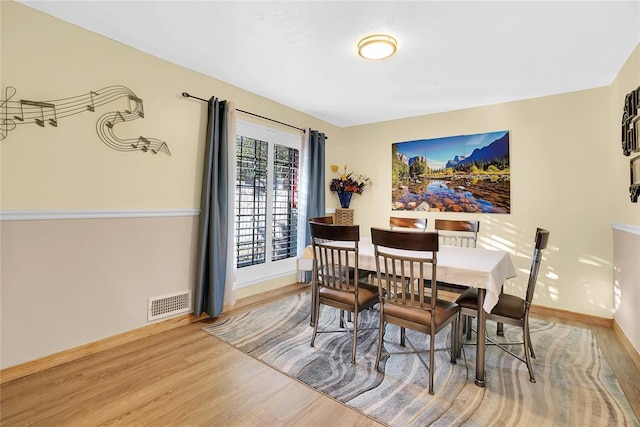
378,46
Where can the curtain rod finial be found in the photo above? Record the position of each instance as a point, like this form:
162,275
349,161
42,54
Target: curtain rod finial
185,94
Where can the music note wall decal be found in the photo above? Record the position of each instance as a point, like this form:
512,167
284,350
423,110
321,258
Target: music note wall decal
41,113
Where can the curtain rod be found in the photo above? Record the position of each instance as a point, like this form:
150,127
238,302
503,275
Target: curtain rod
186,95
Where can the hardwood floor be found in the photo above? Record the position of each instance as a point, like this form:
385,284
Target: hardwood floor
187,377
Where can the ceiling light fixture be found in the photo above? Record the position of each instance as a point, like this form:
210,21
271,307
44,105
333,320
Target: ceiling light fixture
378,46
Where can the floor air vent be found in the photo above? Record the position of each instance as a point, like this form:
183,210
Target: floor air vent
168,305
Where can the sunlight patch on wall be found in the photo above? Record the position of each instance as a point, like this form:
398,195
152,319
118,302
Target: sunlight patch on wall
594,261
617,292
591,301
497,242
588,262
617,295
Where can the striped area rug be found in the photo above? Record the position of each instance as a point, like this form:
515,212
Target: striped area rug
575,385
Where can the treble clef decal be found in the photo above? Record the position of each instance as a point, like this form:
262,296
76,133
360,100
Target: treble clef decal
6,124
41,113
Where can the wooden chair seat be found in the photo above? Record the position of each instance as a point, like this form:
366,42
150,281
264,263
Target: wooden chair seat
444,311
366,295
510,306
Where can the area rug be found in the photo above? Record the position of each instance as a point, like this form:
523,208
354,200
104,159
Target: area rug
575,385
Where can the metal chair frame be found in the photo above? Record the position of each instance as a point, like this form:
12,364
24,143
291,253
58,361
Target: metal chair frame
335,258
469,308
403,299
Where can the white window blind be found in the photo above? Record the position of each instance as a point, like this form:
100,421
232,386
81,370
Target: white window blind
266,210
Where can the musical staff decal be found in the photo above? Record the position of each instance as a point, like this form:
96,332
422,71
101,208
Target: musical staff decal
47,113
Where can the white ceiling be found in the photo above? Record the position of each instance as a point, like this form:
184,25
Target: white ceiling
451,54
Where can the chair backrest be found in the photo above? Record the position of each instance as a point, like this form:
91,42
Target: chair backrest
400,222
541,240
458,232
335,253
322,219
401,275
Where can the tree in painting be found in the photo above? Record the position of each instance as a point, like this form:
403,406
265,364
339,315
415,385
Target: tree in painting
465,173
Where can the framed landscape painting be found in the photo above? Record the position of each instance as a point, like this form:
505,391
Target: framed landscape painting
464,173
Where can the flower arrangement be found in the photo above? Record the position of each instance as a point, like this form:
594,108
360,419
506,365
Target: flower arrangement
346,184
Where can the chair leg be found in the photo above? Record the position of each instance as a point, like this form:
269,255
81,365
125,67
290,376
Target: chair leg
454,340
342,324
533,355
469,321
527,347
500,329
315,325
432,354
461,321
355,336
380,340
403,331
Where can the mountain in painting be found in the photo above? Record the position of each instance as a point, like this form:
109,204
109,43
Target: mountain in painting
496,150
456,160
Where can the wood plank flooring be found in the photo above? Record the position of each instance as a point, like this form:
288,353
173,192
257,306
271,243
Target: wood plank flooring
187,377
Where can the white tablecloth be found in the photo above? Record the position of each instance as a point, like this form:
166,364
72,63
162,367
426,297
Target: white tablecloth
476,267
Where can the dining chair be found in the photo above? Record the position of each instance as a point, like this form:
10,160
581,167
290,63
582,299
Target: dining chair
458,232
511,309
410,307
407,224
329,219
322,219
462,233
396,222
335,256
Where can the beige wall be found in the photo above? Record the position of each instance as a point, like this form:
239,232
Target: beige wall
557,147
68,167
69,282
563,151
568,175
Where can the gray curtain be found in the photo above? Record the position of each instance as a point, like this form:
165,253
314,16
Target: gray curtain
214,219
315,184
316,187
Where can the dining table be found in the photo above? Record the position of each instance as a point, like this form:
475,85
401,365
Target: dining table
481,268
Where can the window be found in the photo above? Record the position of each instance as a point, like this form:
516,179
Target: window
266,207
251,201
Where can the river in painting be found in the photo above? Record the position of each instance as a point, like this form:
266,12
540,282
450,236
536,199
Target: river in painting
470,193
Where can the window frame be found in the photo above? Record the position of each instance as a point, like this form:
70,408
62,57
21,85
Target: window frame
255,274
